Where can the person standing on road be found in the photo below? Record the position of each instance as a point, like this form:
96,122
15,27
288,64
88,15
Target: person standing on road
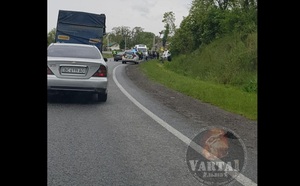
114,52
140,54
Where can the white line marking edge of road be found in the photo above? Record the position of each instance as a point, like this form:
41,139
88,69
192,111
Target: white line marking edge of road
240,178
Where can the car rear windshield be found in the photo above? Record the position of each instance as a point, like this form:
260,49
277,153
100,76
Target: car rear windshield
74,52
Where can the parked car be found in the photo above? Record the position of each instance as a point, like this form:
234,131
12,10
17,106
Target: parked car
77,68
166,55
130,56
118,56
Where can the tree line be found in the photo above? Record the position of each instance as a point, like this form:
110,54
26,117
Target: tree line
212,19
207,20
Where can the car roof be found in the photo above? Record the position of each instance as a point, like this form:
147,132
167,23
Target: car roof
73,44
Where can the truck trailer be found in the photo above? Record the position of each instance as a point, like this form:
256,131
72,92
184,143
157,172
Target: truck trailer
80,27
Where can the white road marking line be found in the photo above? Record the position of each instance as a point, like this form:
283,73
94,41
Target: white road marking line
240,178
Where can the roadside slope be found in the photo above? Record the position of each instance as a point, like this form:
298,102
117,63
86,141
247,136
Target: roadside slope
195,109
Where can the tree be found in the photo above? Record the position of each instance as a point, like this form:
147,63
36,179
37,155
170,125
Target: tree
136,36
183,41
51,36
146,38
123,36
168,20
166,34
212,19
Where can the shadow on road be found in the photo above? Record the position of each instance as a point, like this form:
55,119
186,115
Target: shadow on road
72,98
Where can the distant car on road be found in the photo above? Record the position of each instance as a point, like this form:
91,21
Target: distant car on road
130,56
118,56
77,68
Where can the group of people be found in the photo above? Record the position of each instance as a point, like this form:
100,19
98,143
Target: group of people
140,54
155,54
166,55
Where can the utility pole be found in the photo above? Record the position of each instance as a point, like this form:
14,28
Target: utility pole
153,45
125,42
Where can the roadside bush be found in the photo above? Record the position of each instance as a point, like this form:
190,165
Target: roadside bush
231,60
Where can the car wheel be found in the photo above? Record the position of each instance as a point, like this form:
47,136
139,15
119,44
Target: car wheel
102,97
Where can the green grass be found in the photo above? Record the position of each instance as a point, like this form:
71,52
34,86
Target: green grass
227,97
231,60
107,55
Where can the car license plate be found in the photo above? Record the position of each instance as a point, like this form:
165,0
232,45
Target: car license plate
73,70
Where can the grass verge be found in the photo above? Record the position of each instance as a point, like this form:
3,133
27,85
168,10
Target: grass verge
226,97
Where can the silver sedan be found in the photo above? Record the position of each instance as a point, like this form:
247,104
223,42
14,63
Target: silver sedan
77,68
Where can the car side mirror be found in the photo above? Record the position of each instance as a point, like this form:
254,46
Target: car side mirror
105,59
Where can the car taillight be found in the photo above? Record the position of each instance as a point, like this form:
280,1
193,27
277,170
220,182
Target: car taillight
101,72
49,72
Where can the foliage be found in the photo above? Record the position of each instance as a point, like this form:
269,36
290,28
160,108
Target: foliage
230,60
124,35
51,36
107,55
169,21
166,34
212,19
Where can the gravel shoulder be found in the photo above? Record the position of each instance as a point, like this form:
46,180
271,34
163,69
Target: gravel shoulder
196,109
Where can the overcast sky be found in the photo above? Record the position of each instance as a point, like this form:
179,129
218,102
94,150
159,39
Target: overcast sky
147,14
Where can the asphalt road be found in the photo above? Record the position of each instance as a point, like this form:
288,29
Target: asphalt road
132,139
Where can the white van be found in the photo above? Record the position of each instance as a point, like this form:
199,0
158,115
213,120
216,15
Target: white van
143,48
